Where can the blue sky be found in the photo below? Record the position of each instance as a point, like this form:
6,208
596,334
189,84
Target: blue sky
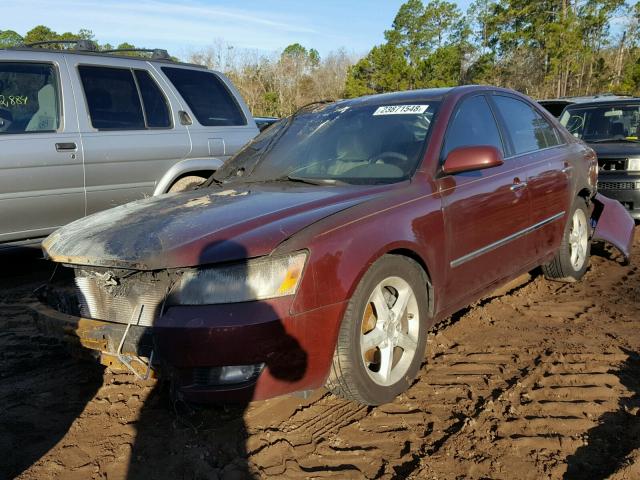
183,26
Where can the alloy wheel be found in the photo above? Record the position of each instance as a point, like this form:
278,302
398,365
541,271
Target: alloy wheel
390,329
578,239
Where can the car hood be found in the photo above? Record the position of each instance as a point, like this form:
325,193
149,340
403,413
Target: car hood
616,149
199,227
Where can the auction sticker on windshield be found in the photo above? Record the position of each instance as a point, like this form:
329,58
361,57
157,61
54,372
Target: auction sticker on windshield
400,109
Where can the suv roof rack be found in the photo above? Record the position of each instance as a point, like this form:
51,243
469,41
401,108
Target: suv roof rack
156,53
81,44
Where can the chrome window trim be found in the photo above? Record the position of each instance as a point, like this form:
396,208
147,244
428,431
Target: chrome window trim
503,241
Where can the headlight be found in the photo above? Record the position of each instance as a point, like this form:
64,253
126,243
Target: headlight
256,279
634,164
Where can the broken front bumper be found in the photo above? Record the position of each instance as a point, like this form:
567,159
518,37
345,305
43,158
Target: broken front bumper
294,352
613,224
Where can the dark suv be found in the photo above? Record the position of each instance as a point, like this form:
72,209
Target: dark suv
611,128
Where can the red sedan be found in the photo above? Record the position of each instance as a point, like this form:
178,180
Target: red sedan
323,252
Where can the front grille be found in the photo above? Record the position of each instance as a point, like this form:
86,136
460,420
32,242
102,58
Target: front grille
616,185
612,164
103,296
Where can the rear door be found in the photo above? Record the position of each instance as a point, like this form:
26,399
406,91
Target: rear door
221,122
130,134
485,211
547,159
41,173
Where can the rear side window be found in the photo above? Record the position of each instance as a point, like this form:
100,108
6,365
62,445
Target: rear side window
529,131
155,104
112,98
29,99
472,124
207,96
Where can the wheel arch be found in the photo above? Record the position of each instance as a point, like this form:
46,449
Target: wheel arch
191,166
413,255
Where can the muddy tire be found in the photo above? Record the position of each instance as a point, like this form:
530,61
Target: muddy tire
382,338
186,183
572,258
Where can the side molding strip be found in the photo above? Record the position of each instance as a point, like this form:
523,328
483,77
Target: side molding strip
492,246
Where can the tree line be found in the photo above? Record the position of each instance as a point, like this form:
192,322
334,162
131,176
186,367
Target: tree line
544,48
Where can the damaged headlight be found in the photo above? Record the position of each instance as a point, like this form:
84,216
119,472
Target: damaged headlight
255,279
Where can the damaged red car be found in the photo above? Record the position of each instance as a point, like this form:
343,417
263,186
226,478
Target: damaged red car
323,252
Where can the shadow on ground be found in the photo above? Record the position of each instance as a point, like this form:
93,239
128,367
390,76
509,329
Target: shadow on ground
42,388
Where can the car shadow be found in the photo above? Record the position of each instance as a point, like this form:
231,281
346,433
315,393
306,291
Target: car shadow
43,388
208,441
617,433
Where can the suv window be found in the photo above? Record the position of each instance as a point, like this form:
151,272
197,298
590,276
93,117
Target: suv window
29,100
207,96
155,104
112,98
529,131
472,124
603,122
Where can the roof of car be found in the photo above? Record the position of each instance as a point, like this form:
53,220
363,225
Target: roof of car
606,101
422,94
603,97
98,54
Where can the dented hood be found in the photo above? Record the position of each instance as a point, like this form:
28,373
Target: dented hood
199,227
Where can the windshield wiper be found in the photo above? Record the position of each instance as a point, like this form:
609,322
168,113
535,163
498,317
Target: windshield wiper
612,140
313,181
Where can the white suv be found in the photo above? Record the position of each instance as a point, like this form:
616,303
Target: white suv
83,131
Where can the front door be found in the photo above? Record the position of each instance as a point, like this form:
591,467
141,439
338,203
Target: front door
486,212
41,171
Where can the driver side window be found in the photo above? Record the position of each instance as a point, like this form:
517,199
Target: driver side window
472,124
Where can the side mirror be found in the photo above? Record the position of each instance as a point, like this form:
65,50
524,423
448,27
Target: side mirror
466,159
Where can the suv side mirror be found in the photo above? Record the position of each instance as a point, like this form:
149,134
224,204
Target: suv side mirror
477,157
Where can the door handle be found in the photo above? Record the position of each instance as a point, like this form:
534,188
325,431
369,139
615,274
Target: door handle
66,147
517,186
567,169
185,119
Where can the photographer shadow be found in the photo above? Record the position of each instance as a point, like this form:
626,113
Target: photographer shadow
177,439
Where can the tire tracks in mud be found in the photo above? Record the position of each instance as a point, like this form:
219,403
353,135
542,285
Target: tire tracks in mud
521,385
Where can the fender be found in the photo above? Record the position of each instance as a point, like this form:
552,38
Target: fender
186,166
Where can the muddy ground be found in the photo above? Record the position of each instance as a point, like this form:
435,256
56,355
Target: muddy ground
542,381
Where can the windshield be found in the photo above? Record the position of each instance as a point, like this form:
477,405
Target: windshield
336,143
603,123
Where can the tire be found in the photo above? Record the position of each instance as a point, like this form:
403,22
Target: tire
572,258
186,183
376,375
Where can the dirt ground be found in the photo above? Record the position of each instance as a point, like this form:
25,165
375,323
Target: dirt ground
541,381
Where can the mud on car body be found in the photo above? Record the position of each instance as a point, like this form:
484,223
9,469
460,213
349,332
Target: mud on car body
323,251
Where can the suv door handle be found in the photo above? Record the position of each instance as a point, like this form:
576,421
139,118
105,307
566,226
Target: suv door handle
517,186
185,119
567,169
66,147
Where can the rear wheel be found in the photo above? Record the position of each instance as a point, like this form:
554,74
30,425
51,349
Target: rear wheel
572,259
382,338
186,183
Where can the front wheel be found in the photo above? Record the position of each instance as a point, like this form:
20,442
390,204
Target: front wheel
186,183
572,259
383,334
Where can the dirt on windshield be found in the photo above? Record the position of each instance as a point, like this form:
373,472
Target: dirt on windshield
542,380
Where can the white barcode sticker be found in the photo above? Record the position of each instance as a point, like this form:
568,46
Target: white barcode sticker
401,109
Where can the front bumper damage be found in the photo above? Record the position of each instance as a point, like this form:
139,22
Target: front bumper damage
612,223
190,345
